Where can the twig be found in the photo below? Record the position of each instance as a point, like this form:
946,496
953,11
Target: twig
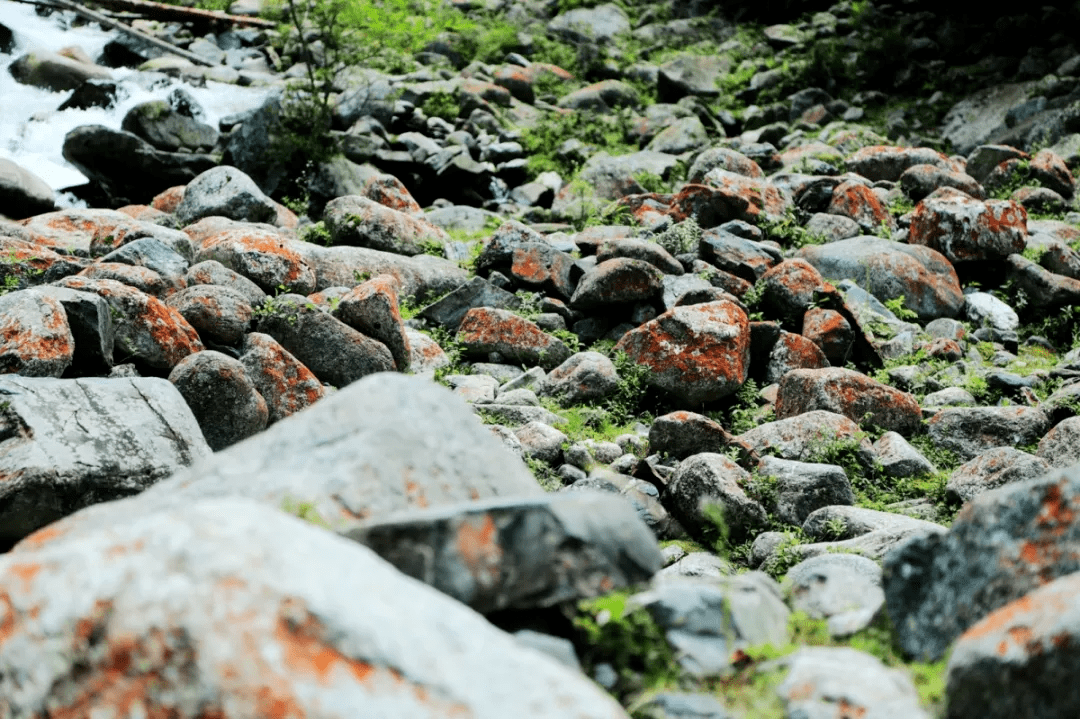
160,11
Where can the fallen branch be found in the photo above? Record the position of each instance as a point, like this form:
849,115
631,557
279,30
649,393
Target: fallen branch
160,11
117,25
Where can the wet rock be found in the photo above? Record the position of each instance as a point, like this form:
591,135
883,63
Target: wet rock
372,308
129,434
219,314
128,166
992,469
358,221
225,192
169,130
286,385
223,399
699,353
22,193
1027,646
146,328
970,431
583,378
335,352
964,229
831,681
1003,544
617,281
888,270
54,72
35,337
712,479
330,640
522,554
845,589
90,94
849,393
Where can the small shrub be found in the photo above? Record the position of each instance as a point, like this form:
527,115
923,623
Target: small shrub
443,105
680,238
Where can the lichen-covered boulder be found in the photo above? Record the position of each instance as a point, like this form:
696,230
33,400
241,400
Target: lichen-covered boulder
850,393
964,229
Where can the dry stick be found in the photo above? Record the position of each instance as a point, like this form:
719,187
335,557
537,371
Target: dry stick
117,25
158,11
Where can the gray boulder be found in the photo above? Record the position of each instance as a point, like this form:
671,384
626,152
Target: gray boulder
520,554
845,589
167,129
206,583
801,437
221,396
803,487
1005,543
72,443
584,377
899,459
284,383
992,469
22,193
219,314
970,431
372,308
225,192
712,479
54,72
1060,447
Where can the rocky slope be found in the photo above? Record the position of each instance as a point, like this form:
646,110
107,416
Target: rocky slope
757,347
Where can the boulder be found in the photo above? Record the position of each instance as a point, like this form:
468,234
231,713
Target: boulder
22,193
221,396
167,129
992,469
484,330
51,71
708,479
964,229
35,337
372,309
220,315
360,222
850,393
71,443
284,383
970,431
224,192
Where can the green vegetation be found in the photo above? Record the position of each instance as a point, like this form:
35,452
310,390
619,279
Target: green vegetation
444,105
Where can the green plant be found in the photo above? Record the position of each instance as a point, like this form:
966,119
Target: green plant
786,555
680,238
1019,177
316,233
616,632
444,105
545,475
896,306
305,511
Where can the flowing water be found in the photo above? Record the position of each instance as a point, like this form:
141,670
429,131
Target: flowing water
32,130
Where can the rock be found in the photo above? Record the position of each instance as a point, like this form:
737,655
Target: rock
541,266
212,272
682,434
602,97
683,135
54,72
484,330
262,255
697,564
699,353
803,487
878,162
839,681
636,249
706,621
845,589
1026,647
972,120
708,479
448,311
858,202
899,459
169,130
146,328
741,257
225,192
221,396
964,229
615,282
722,158
519,554
723,196
331,640
985,310
128,166
219,314
849,393
583,378
691,75
788,288
152,254
372,308
792,352
1060,447
831,332
128,434
984,159
887,270
35,337
992,469
358,221
801,437
1003,544
140,278
91,325
22,193
859,521
1044,290
918,181
669,705
91,94
970,431
420,276
335,352
542,442
286,385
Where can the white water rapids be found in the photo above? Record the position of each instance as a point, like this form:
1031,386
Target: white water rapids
32,130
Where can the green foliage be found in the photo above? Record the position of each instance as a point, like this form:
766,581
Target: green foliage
455,352
788,231
608,133
545,474
744,413
315,233
896,306
629,639
785,556
651,182
624,404
1035,253
444,105
1018,178
305,511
